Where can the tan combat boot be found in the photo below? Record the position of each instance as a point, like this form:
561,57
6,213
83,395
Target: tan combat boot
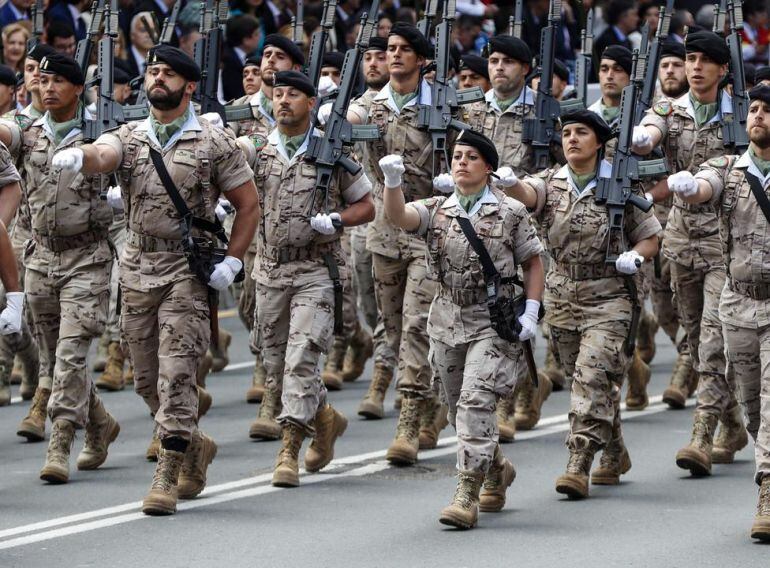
332,373
398,400
128,375
359,351
432,421
730,438
761,527
266,426
697,456
205,400
638,378
506,421
154,448
5,385
161,500
101,431
574,482
497,481
199,455
530,401
463,512
554,370
57,461
219,355
112,377
329,425
403,450
373,404
257,389
32,427
203,370
645,342
286,472
614,462
678,390
30,365
100,360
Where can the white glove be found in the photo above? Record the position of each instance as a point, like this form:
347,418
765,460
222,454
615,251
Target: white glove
215,119
324,112
640,137
10,319
528,320
444,183
506,177
392,167
221,209
115,198
70,160
224,273
626,262
325,86
683,183
324,224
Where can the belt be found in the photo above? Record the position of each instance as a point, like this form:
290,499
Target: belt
585,271
61,244
464,297
692,207
282,255
147,243
754,291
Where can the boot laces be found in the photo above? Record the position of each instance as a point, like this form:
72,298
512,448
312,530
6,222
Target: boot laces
166,473
38,408
464,494
763,506
408,419
292,442
270,401
612,455
701,433
578,462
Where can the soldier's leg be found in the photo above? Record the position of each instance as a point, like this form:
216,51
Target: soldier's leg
10,345
247,309
112,379
140,332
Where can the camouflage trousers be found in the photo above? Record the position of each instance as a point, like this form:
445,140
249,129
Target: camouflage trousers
404,294
664,303
748,352
295,328
349,292
473,377
594,357
69,309
697,295
167,330
118,238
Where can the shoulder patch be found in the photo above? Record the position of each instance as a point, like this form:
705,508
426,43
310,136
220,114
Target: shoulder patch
24,121
719,162
259,141
663,108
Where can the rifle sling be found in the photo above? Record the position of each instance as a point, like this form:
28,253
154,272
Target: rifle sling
759,194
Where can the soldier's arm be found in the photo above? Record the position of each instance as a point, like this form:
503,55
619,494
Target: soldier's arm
358,212
9,274
245,200
101,158
534,277
524,192
656,125
659,192
397,212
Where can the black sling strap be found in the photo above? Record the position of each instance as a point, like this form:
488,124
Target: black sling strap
491,275
759,194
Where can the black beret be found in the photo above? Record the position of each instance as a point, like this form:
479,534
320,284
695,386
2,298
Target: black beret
59,64
286,45
333,59
750,72
709,43
39,51
475,63
413,36
590,119
7,76
760,92
120,77
620,55
560,70
762,74
483,144
377,44
672,49
175,58
512,47
294,79
253,60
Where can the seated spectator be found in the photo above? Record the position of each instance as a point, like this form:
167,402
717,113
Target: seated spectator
243,38
7,89
67,11
61,37
15,10
15,38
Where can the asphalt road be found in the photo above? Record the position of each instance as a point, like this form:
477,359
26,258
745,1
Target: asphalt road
362,512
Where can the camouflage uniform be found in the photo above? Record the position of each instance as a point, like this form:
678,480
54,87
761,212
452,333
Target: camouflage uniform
612,144
588,303
164,310
692,245
473,366
744,307
295,295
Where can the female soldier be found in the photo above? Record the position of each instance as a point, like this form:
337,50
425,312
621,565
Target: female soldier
588,302
474,366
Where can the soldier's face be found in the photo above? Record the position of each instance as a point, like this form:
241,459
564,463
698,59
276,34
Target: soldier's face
252,79
703,73
579,142
122,92
291,106
331,72
758,123
403,61
376,69
612,79
58,93
673,78
165,87
469,169
6,98
32,75
273,61
468,79
506,74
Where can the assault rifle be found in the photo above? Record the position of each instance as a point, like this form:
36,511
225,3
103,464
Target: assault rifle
516,22
734,127
652,61
36,15
540,132
318,42
86,45
297,35
208,53
424,25
720,17
582,67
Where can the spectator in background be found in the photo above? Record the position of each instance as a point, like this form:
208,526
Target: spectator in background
68,11
649,13
161,10
680,20
14,10
15,38
272,15
141,42
348,13
623,18
252,75
469,37
7,89
61,37
242,33
384,25
122,82
755,36
189,35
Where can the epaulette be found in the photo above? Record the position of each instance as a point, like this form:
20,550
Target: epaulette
663,107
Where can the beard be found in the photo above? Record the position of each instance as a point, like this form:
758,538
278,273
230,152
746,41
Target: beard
760,137
168,99
377,83
674,90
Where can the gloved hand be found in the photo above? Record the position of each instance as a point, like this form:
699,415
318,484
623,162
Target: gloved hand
626,262
528,320
325,86
324,112
683,183
215,119
444,183
224,273
115,198
393,169
640,137
10,319
221,209
324,224
69,160
506,178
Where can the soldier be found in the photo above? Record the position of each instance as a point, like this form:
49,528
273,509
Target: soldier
298,250
332,66
671,70
588,303
11,317
473,365
737,186
474,72
252,77
68,263
690,132
165,307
